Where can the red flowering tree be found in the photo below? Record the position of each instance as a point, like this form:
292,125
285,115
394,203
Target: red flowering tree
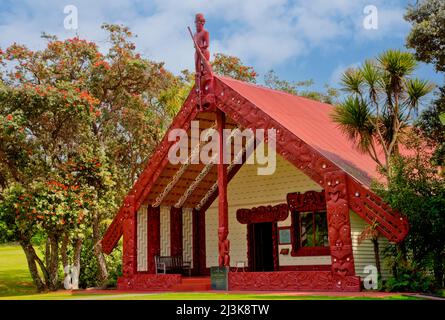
76,128
233,67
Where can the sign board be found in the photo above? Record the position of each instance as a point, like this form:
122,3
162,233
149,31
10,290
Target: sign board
219,278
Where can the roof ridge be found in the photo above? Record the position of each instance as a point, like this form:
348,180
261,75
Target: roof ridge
259,86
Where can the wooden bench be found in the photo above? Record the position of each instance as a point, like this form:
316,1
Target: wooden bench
172,264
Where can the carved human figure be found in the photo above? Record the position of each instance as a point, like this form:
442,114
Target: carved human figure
204,74
224,247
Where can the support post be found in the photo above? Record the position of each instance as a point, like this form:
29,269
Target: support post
154,236
129,262
223,214
176,231
339,226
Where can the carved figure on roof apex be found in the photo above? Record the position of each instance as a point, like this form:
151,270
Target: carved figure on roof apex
203,70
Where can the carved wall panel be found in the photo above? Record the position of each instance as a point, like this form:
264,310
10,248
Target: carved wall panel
308,201
149,282
165,230
187,235
263,214
292,281
142,239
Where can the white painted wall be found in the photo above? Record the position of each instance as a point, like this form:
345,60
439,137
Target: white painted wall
364,252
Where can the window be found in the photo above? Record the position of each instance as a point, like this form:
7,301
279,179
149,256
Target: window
310,233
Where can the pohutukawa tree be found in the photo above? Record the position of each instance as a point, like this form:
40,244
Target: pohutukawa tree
383,98
76,127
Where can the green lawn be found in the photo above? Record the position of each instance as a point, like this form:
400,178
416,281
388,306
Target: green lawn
15,279
16,283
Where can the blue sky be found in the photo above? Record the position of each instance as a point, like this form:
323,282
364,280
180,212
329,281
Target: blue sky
300,40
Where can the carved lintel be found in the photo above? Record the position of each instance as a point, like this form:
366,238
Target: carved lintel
260,214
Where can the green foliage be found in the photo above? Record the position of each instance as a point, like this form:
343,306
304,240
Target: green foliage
409,279
418,190
427,36
90,268
233,67
354,117
383,96
300,88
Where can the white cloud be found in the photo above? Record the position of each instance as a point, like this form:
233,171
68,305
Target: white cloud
262,33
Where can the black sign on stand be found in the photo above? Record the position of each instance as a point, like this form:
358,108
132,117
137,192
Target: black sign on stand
219,278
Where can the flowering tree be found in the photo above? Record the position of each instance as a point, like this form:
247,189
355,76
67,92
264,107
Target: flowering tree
76,128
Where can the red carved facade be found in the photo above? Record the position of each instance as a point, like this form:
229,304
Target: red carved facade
292,281
260,214
308,201
129,257
339,227
342,192
151,282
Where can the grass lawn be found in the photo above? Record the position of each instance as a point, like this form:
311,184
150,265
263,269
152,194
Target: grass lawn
16,284
192,296
15,279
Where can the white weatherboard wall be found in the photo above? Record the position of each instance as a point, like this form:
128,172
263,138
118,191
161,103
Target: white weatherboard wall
165,230
364,252
247,190
141,233
187,234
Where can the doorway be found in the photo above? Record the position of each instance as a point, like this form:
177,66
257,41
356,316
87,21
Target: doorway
261,246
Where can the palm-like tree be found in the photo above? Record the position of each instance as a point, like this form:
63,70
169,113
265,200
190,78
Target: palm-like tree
383,96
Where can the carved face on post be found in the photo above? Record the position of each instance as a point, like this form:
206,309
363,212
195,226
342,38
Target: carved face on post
199,22
222,234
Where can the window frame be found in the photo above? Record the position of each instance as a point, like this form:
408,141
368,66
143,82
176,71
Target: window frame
310,201
297,249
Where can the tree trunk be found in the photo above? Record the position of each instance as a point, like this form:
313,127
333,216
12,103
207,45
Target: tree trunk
438,270
375,243
53,263
76,264
63,250
30,258
103,271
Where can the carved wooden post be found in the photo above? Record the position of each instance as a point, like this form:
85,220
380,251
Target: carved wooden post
223,213
129,232
175,231
154,236
338,224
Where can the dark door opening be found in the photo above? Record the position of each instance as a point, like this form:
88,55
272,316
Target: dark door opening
261,246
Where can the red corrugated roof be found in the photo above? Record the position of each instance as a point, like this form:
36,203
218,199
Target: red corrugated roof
310,120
